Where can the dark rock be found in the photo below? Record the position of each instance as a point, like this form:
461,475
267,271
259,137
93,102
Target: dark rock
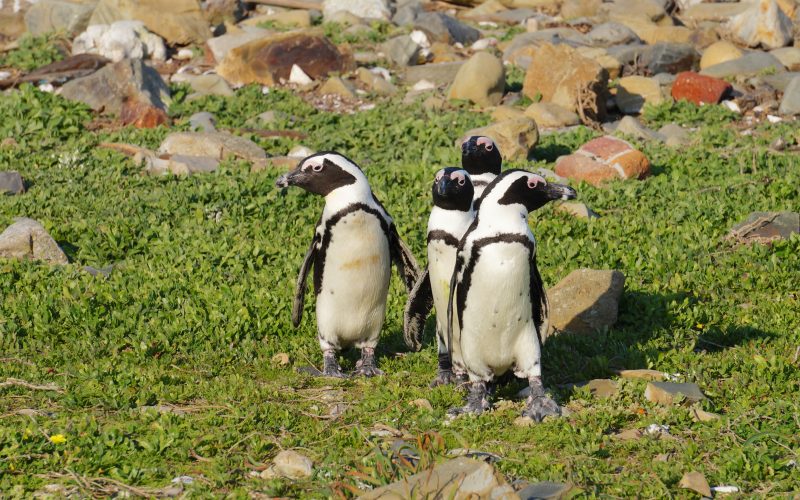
11,183
669,58
765,227
60,72
545,490
608,34
749,64
443,28
402,50
441,73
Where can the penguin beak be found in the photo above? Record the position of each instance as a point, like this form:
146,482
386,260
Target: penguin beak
286,180
469,147
443,185
559,192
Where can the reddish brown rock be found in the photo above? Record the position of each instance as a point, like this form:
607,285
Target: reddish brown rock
270,59
142,115
603,159
699,89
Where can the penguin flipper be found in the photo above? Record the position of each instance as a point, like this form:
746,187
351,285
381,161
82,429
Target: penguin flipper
538,299
300,289
450,299
418,307
403,259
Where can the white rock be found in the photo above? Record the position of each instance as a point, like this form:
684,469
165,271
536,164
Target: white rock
300,152
725,489
763,24
292,465
423,85
484,43
774,119
184,54
120,40
732,106
4,75
421,39
298,76
371,9
383,72
47,87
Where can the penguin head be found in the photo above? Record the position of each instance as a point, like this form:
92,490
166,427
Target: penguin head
520,187
480,155
452,189
322,173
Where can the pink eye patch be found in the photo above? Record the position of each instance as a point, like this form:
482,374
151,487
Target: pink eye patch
459,176
534,180
485,142
439,175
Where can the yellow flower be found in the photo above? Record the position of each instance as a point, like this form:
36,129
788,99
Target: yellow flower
58,439
28,432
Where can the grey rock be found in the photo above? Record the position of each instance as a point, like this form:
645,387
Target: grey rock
221,45
407,14
611,33
203,85
554,36
102,271
47,16
670,58
748,65
665,393
203,122
401,50
217,145
440,73
763,24
176,164
514,16
443,28
664,79
11,183
674,135
585,301
107,89
765,227
27,239
778,81
717,11
577,209
369,9
790,103
545,490
631,126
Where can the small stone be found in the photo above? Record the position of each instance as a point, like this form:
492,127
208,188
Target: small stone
434,103
289,18
180,22
604,159
442,28
218,145
370,9
764,24
633,92
549,115
402,50
281,359
642,374
103,271
700,89
749,64
577,209
585,301
11,183
719,52
703,416
480,80
27,239
175,164
629,434
502,113
697,482
716,11
269,60
788,56
669,57
439,74
674,135
337,86
300,152
790,103
602,388
204,85
375,82
142,114
515,138
665,393
421,403
611,33
545,490
292,465
631,126
765,227
47,16
573,9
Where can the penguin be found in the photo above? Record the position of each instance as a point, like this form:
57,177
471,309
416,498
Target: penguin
354,245
481,157
450,217
497,308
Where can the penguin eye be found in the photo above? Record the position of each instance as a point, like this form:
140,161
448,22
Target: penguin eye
461,181
317,168
489,147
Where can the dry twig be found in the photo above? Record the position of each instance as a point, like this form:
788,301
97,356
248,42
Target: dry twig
21,383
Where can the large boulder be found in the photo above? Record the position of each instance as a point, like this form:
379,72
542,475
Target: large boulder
515,137
219,145
603,159
585,301
120,40
443,28
481,80
559,74
28,239
179,22
47,16
109,89
270,59
764,24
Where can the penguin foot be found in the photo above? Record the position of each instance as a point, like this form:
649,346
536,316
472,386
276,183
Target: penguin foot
443,377
477,402
332,368
366,365
539,405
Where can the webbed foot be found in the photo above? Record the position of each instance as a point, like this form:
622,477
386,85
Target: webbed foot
365,366
476,401
443,377
539,404
332,368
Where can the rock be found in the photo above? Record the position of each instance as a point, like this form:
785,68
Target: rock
440,74
559,74
603,159
700,89
573,9
502,113
179,22
633,92
611,33
407,13
176,164
281,359
422,404
402,50
545,490
336,86
585,301
765,227
67,69
27,239
142,114
549,115
631,126
221,45
577,209
270,59
221,11
375,83
443,52
763,24
700,415
203,85
287,18
459,479
749,64
674,135
642,374
665,393
11,183
120,40
629,435
669,58
611,64
714,11
203,122
218,145
719,52
46,16
300,152
602,387
109,88
697,482
649,10
282,163
515,138
370,9
442,28
790,103
788,56
290,464
524,46
481,80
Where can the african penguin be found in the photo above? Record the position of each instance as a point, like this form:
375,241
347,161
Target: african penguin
354,244
497,307
480,157
450,217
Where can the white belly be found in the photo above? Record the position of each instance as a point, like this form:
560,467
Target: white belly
497,324
351,304
441,261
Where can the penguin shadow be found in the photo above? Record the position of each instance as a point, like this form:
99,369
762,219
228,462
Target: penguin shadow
549,152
